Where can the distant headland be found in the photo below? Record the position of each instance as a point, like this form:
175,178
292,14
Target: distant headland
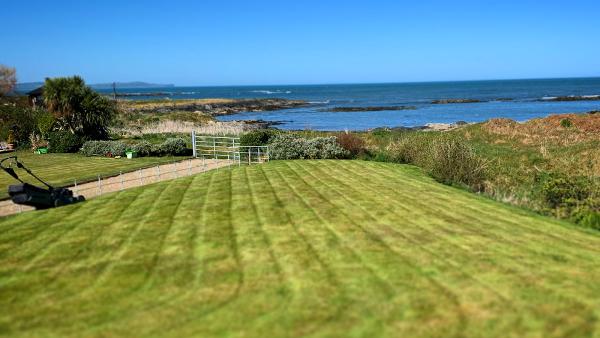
29,86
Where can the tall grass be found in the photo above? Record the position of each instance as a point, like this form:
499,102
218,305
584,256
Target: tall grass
448,159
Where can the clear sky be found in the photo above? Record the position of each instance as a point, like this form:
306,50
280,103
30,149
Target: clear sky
300,42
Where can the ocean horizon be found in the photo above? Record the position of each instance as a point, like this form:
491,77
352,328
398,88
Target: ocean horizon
515,99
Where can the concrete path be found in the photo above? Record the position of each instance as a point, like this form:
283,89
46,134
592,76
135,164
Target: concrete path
130,180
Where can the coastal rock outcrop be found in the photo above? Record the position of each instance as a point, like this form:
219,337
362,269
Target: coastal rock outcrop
363,109
448,101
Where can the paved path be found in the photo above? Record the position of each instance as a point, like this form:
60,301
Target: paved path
130,180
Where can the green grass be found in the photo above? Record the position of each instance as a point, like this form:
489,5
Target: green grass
317,248
62,169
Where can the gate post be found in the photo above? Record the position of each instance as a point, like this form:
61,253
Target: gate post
193,143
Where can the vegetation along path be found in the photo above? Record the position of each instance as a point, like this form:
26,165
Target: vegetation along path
290,248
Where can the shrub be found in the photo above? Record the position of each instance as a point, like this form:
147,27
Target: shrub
448,160
586,216
16,121
408,150
354,144
104,148
561,190
172,146
143,148
259,137
289,146
566,123
44,121
454,161
64,142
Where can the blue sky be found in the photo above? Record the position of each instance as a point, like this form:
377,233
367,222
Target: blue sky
300,42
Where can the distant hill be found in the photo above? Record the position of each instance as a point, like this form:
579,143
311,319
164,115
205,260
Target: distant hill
25,87
135,84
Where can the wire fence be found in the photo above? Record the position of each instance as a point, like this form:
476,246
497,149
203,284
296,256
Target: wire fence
140,177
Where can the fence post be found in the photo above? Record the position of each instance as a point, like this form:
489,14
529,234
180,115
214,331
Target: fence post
75,188
249,156
140,175
215,148
121,177
157,173
258,155
194,144
99,186
189,167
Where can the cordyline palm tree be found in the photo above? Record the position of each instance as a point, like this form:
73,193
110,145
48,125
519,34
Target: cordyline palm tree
77,108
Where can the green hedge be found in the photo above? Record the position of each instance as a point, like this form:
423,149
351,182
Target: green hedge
64,142
170,147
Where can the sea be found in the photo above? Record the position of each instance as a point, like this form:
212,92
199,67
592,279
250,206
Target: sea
519,100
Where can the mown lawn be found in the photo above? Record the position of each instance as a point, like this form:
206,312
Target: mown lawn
317,248
63,169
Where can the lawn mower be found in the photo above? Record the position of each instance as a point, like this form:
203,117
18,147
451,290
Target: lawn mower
31,195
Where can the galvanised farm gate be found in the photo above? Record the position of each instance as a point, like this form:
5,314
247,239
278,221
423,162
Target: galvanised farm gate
227,148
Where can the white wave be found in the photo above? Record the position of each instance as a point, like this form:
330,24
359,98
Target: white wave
548,97
318,102
269,92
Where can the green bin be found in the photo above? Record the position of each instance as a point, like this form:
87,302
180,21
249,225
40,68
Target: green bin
131,154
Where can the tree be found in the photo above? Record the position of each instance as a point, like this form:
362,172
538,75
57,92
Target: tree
77,108
8,79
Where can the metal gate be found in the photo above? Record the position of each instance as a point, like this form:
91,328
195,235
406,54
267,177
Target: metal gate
228,149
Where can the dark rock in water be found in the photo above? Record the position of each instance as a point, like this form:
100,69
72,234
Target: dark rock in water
504,99
359,109
227,107
593,112
573,98
447,101
461,123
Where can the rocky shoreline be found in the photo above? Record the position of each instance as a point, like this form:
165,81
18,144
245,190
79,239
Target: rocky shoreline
213,107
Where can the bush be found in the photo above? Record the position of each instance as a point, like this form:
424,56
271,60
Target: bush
16,121
408,150
454,161
289,146
566,123
44,121
259,137
104,148
560,190
143,148
354,144
586,216
172,146
64,142
448,160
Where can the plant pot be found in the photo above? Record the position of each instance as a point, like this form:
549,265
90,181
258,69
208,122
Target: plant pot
131,154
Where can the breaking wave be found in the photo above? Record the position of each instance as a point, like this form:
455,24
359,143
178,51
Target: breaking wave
269,92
